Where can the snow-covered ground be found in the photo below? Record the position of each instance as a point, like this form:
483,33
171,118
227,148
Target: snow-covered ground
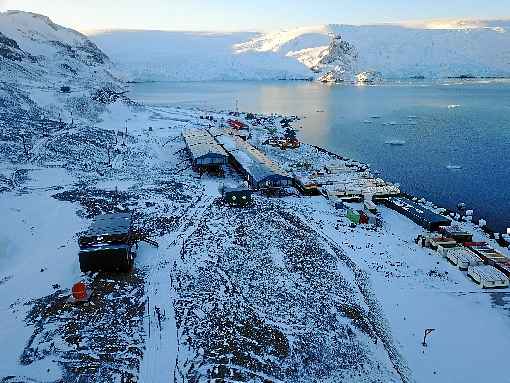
282,291
418,289
341,303
396,51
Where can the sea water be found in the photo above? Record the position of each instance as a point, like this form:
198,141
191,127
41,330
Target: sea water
446,141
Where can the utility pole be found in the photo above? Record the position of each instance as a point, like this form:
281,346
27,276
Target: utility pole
109,155
125,135
26,148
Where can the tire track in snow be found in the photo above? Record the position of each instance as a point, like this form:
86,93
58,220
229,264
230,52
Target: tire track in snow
161,343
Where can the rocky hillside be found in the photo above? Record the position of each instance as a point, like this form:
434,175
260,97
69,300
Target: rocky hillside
41,61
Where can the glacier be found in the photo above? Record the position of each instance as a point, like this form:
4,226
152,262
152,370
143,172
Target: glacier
478,49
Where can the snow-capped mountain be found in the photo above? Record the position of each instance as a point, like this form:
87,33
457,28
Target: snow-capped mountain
337,63
40,56
502,24
475,48
32,46
398,51
193,56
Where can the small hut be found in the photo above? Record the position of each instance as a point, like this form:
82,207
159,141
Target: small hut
108,244
237,196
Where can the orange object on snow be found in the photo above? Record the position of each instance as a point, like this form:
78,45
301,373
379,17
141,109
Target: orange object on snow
236,124
80,291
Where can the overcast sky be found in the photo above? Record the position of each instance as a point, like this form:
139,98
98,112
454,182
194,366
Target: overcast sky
227,15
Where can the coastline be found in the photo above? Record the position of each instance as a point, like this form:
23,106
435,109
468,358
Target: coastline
259,246
362,141
223,261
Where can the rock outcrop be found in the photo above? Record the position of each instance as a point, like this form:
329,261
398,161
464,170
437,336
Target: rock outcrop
368,77
338,62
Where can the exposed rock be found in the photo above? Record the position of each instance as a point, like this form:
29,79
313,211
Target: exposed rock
107,95
36,52
95,55
368,77
9,48
338,62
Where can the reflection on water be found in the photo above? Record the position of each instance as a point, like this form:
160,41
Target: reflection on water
445,154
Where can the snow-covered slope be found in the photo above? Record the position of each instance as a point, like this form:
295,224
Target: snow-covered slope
457,24
193,56
400,52
33,48
38,57
477,48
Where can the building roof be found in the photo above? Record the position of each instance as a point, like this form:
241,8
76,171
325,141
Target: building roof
200,143
420,211
252,160
215,132
110,224
206,149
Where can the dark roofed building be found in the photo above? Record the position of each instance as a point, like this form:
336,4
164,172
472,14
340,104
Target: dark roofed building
418,214
107,245
205,152
237,196
258,169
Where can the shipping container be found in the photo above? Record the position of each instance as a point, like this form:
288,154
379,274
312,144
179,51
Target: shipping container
108,244
418,213
462,257
363,218
436,243
372,218
457,233
353,216
339,205
488,276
